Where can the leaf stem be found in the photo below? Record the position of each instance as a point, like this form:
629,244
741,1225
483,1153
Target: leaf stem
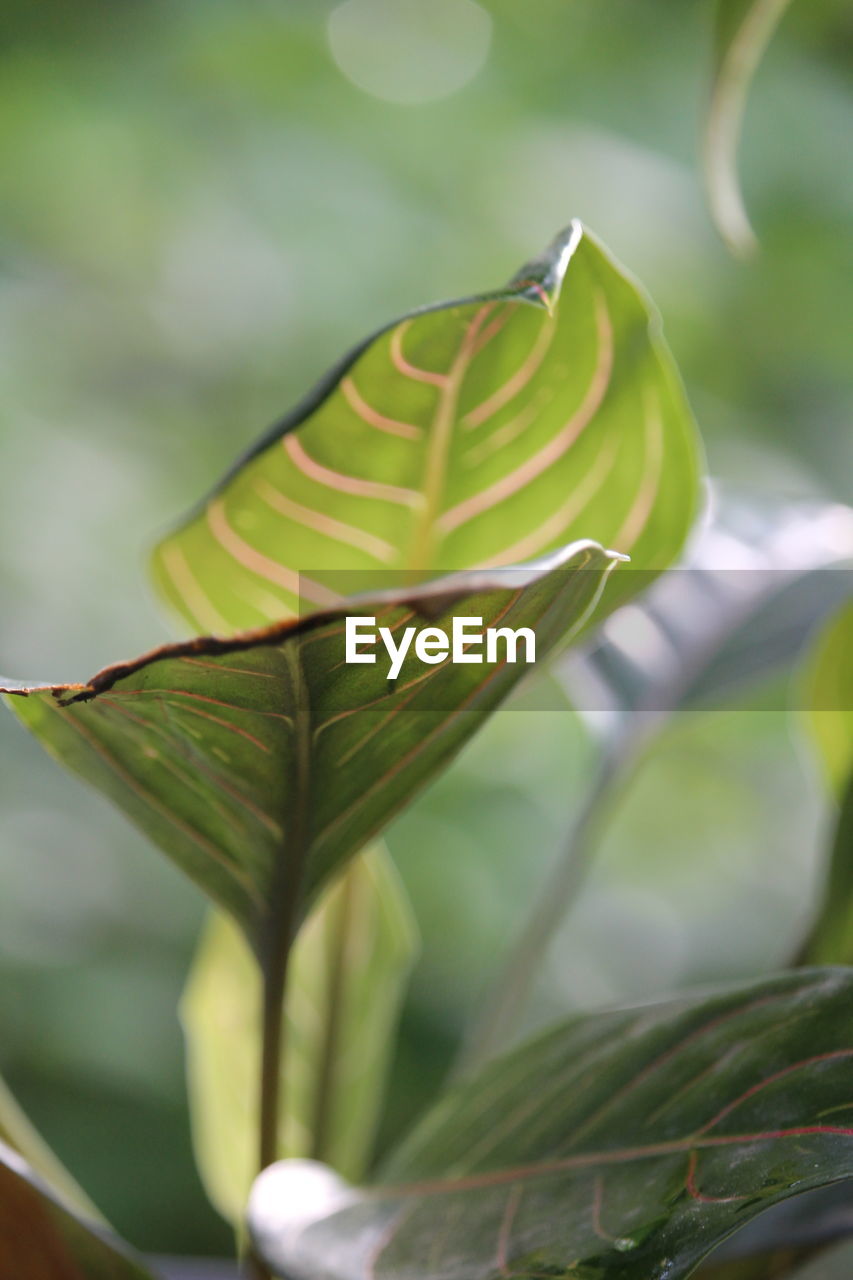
282,926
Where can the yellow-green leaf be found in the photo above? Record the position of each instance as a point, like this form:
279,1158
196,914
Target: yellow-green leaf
623,1145
481,432
346,977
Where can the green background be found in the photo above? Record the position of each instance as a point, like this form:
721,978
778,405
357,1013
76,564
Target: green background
198,212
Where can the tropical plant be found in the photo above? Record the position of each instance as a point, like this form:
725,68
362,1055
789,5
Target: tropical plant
474,460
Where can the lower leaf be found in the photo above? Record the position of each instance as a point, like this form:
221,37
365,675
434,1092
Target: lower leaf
620,1146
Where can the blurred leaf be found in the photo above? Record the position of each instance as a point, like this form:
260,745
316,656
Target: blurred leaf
754,585
42,1240
346,978
831,939
474,433
17,1132
830,683
621,1146
835,1263
261,763
830,690
742,32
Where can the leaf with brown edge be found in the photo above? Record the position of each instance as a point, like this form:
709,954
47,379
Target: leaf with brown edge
17,1132
41,1239
481,432
619,1146
261,763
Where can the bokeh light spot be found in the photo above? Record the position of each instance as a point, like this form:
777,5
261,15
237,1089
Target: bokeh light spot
410,51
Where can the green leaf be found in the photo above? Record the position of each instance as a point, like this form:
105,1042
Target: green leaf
620,1146
831,939
17,1132
346,978
829,689
830,697
40,1239
475,433
259,764
743,29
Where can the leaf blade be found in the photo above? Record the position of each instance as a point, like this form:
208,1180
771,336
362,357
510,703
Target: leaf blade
622,1146
205,744
480,432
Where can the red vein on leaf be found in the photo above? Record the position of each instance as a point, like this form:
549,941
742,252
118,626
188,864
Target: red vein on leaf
317,521
589,1160
519,380
200,763
696,1194
675,1051
404,366
482,340
557,524
172,766
342,483
373,418
556,447
833,1056
190,590
212,850
206,715
642,507
231,671
401,704
295,584
404,761
507,1223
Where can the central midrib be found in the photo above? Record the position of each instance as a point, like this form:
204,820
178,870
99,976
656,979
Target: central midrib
438,452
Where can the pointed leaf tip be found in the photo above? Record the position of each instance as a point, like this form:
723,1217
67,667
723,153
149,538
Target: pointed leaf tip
542,277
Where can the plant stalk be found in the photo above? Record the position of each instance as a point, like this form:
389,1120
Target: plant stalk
508,994
283,923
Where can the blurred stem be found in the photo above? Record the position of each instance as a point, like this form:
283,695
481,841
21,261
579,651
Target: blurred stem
507,996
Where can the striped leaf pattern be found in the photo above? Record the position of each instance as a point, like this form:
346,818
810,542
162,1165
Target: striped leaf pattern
260,763
621,1146
346,976
483,432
